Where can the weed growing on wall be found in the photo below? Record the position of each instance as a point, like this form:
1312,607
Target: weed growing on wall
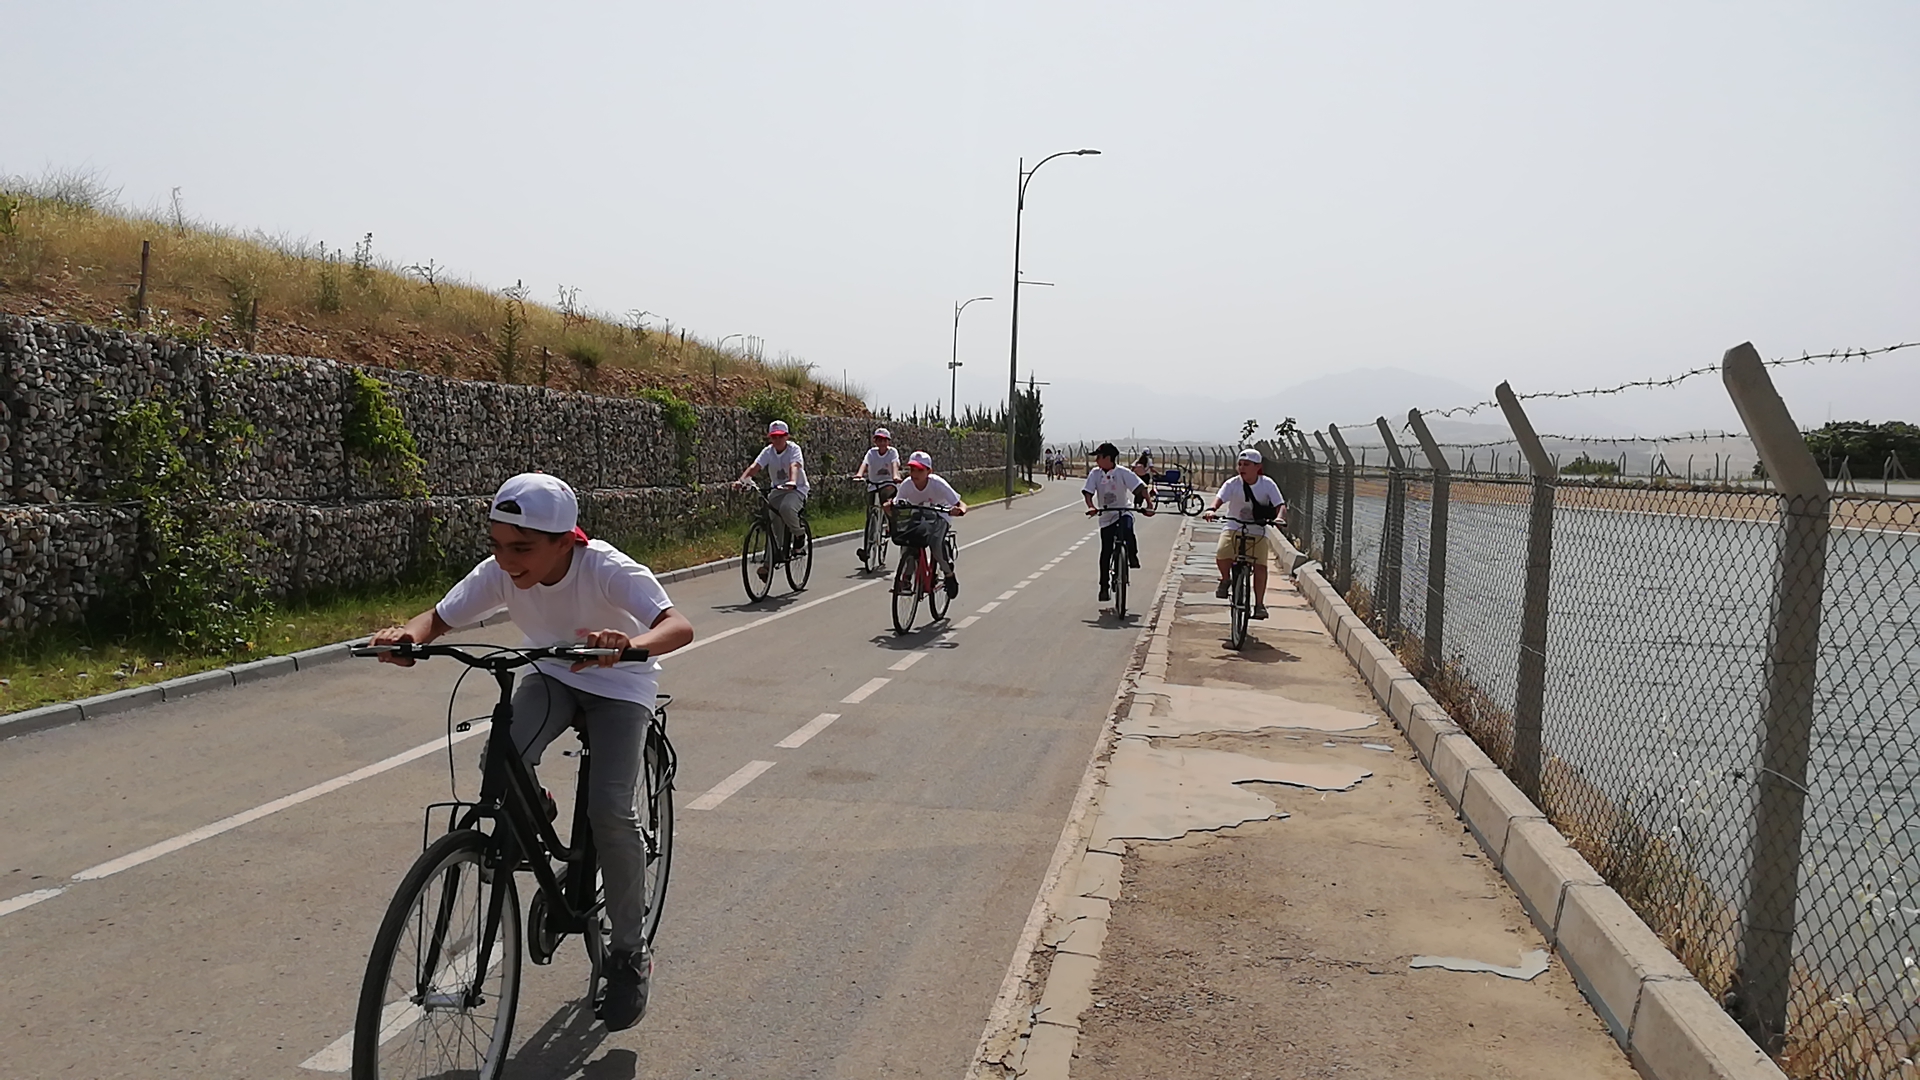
513,328
377,438
680,417
327,293
192,589
768,404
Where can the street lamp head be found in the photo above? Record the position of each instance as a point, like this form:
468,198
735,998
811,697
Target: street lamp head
1086,151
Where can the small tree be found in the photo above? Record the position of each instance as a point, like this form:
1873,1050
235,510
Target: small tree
1028,441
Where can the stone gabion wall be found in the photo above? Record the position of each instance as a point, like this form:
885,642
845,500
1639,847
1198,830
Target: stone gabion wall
316,520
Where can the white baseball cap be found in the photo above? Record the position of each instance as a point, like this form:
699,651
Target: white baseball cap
1250,454
778,427
920,458
536,501
882,433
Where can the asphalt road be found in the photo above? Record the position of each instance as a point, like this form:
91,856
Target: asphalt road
849,912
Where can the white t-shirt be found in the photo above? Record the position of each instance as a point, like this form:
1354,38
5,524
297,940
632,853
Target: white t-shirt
937,493
877,466
785,467
603,590
1111,487
1234,494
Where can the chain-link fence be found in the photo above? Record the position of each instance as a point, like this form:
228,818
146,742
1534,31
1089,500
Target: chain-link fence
1650,709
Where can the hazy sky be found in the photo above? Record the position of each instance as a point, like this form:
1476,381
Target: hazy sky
1554,194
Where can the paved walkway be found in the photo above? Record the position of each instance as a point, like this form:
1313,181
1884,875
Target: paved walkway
1268,860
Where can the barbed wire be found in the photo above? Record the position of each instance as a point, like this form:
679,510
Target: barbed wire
1836,356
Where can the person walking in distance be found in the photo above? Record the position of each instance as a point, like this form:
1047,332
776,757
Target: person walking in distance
1109,486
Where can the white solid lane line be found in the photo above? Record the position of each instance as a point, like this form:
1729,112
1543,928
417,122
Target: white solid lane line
204,832
720,792
808,730
906,661
27,900
866,690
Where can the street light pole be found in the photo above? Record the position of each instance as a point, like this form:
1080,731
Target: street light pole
1013,349
953,364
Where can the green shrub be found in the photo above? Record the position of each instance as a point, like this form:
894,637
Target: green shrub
768,404
377,438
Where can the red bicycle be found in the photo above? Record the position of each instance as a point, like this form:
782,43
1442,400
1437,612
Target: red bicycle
918,574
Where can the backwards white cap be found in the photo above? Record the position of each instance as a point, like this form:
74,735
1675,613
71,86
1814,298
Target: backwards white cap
536,501
1250,454
920,458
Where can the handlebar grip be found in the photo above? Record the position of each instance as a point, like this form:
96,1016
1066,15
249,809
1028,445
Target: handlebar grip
636,655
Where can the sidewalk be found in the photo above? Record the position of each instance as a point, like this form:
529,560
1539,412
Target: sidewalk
1276,858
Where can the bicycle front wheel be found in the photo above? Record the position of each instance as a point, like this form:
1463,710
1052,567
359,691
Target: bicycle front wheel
756,561
1191,504
874,558
428,1006
659,826
1239,604
1119,580
906,591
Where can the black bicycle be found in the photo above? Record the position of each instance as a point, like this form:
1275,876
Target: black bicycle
919,574
443,979
759,557
1117,565
873,545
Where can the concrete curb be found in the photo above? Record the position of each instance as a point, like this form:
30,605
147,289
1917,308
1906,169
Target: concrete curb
1665,1021
1076,897
51,716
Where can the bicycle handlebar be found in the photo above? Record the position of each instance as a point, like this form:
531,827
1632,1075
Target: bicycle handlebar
504,658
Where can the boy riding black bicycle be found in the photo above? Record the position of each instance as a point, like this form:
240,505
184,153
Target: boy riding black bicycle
557,584
1113,487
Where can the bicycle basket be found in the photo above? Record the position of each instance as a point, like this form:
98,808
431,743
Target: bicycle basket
912,529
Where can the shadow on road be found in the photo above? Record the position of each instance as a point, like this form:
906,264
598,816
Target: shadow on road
565,1045
1256,651
916,639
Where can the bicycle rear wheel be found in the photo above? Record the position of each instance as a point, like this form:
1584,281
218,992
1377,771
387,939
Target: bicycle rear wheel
1239,604
425,1009
937,599
906,591
756,561
800,567
1191,504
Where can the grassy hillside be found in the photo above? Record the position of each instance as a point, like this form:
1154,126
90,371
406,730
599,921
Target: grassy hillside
68,250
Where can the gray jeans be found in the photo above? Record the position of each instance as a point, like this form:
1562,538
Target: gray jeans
616,730
786,511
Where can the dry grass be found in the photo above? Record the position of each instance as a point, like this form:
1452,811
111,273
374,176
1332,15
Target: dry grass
67,250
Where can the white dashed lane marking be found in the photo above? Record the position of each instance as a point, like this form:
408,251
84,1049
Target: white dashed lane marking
721,791
966,622
1008,595
906,661
989,607
866,690
807,731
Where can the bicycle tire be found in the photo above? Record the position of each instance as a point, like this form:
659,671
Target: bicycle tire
756,554
870,540
906,592
1192,504
454,864
1118,578
803,561
1239,605
937,599
660,826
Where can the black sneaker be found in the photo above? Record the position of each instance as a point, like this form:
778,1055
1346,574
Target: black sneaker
629,975
1133,562
953,587
1259,611
1105,595
1221,591
860,553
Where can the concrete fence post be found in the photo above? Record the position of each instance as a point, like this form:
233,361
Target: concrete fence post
1433,637
1765,965
1329,514
1393,532
1300,515
1346,509
1530,691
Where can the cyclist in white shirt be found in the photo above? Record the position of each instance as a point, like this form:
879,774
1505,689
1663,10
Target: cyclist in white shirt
880,467
923,487
1113,487
787,480
1249,496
